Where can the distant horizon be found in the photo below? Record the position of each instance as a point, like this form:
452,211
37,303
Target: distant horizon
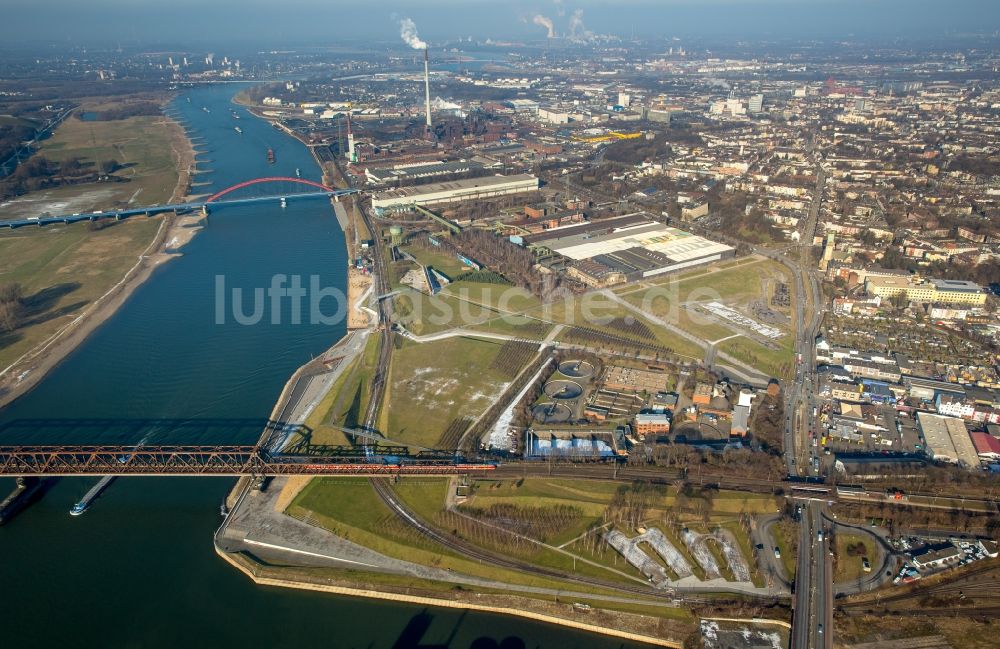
691,43
252,22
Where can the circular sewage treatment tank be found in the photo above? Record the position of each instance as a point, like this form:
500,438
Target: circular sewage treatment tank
551,413
563,390
577,369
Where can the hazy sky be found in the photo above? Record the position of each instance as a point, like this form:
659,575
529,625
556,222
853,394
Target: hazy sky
272,22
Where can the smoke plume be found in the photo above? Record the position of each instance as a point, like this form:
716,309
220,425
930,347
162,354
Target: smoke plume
577,30
408,32
543,21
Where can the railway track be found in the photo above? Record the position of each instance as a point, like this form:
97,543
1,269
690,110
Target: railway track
660,475
989,611
377,388
954,585
654,475
464,548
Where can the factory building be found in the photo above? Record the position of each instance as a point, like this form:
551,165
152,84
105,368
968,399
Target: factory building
633,245
652,423
419,170
934,291
455,191
948,440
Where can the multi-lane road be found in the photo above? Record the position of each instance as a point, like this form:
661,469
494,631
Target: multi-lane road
813,613
800,404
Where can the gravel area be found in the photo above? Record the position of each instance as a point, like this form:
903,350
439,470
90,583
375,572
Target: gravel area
696,544
629,549
666,549
731,550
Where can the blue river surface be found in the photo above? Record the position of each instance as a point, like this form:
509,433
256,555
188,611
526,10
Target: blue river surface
138,569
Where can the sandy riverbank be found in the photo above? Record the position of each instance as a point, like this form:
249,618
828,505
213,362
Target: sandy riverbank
174,232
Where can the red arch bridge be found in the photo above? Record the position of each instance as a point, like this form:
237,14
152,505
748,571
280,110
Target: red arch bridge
42,461
283,188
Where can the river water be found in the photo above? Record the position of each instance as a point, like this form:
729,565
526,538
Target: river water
138,569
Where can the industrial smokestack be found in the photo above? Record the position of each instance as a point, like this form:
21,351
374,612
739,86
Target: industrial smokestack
427,89
350,141
546,22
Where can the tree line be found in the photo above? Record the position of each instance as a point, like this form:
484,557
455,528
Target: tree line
40,172
123,112
12,306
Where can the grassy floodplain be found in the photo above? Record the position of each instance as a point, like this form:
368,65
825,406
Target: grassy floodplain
433,384
554,523
63,269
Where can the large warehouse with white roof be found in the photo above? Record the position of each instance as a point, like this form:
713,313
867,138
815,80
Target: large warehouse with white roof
634,245
454,191
948,440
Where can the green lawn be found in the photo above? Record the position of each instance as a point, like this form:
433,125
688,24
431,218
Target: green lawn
593,496
350,508
746,548
591,310
346,401
441,260
144,145
515,326
776,362
502,297
66,268
427,314
596,312
740,282
785,537
426,498
62,269
735,286
849,568
432,384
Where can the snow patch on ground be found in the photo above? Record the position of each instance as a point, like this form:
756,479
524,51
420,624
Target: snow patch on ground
501,436
744,637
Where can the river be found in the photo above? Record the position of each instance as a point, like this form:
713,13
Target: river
138,569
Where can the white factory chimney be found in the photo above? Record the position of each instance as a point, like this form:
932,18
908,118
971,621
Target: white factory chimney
427,90
350,140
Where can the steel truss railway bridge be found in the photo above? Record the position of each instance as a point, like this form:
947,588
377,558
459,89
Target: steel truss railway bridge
302,189
49,461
